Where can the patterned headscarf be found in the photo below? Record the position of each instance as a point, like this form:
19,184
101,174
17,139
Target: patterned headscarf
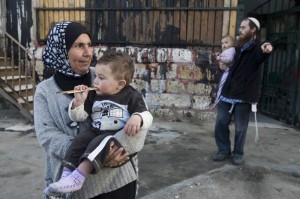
59,41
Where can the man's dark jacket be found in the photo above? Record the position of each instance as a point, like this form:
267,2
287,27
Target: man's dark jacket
245,75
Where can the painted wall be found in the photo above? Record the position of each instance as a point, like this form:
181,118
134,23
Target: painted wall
178,84
19,20
2,14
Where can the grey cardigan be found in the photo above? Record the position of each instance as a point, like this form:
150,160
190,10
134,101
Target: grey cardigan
55,132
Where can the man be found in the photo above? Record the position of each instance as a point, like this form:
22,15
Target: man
240,91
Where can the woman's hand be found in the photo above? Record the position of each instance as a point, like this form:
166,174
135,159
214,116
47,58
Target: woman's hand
116,156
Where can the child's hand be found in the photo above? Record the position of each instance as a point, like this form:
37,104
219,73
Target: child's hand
223,66
80,97
217,56
133,125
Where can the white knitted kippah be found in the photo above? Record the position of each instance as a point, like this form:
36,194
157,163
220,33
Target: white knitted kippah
255,21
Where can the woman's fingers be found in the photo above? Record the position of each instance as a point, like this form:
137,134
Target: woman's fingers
116,156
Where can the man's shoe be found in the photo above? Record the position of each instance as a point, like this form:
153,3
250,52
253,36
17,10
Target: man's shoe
237,160
220,157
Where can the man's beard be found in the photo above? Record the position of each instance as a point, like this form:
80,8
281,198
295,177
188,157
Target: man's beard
242,40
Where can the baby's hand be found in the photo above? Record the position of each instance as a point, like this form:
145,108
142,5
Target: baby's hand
217,56
223,66
133,125
80,97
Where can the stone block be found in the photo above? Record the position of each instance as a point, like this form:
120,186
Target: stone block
186,71
146,72
128,49
199,88
182,55
145,55
162,86
138,84
162,55
171,72
185,114
199,75
155,86
175,87
203,58
99,50
168,100
140,71
201,102
153,67
206,115
162,112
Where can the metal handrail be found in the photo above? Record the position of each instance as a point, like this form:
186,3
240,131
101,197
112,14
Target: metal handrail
16,86
17,42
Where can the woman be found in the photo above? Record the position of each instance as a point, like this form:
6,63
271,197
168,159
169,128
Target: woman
68,51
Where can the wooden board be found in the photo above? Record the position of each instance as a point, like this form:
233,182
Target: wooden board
176,24
218,21
211,23
204,23
226,14
66,14
197,27
233,14
183,24
191,22
42,25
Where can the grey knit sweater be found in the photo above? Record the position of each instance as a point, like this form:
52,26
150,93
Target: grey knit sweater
55,131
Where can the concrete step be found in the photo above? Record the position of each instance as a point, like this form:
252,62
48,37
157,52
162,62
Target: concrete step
8,70
21,100
18,88
13,77
7,67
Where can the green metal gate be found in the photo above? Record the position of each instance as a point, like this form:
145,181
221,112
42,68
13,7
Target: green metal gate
280,96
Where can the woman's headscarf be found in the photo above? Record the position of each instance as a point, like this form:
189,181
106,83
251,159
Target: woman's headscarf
60,40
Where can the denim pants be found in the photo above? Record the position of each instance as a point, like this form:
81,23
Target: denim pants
240,113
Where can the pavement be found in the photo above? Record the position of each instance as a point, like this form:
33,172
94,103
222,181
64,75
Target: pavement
175,162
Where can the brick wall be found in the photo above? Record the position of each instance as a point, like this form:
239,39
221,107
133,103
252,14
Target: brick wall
178,84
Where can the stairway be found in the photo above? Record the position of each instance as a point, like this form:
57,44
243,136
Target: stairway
17,75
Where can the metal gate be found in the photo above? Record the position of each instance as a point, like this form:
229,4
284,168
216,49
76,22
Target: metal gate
280,96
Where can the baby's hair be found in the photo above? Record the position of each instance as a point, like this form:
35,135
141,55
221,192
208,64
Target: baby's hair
229,37
121,65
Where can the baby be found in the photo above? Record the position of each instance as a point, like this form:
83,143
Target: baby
225,60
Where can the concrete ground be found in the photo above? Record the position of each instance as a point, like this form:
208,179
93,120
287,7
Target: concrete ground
175,162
